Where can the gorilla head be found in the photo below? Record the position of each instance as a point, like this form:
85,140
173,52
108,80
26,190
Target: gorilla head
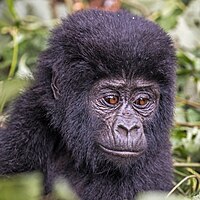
113,78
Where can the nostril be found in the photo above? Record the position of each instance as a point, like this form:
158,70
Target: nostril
135,127
122,130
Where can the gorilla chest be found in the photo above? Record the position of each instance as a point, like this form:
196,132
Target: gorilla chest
103,189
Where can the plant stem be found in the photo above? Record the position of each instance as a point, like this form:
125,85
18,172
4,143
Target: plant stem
187,102
187,164
188,124
14,34
182,181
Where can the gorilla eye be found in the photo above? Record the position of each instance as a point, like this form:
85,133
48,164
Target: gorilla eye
112,100
141,101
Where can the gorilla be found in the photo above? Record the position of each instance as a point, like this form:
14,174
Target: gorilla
99,110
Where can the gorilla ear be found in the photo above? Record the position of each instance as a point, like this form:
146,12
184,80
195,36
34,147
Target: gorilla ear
54,86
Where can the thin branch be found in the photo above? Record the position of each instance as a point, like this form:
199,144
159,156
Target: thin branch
188,124
69,4
14,34
186,164
187,102
181,182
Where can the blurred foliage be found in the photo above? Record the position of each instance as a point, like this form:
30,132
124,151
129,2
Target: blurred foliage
24,28
27,187
162,196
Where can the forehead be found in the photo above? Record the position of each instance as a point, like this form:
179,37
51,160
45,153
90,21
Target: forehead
124,83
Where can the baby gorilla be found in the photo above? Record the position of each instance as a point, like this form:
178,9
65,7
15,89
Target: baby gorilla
100,108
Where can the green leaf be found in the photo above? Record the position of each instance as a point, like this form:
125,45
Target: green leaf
11,7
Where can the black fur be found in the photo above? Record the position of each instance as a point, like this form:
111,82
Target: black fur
56,135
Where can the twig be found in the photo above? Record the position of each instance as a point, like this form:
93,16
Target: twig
186,164
69,4
53,8
181,182
14,34
188,124
187,102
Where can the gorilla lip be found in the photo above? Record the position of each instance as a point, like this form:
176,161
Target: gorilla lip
122,153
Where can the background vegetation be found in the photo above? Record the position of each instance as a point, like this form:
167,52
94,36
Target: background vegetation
24,29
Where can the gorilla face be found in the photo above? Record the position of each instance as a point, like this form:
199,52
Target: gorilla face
123,107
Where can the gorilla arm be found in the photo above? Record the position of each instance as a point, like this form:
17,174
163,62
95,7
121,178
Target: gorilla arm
22,139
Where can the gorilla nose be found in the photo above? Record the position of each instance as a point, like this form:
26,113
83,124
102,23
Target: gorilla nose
126,128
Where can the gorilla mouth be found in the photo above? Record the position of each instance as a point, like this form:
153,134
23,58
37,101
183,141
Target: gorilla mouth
122,153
